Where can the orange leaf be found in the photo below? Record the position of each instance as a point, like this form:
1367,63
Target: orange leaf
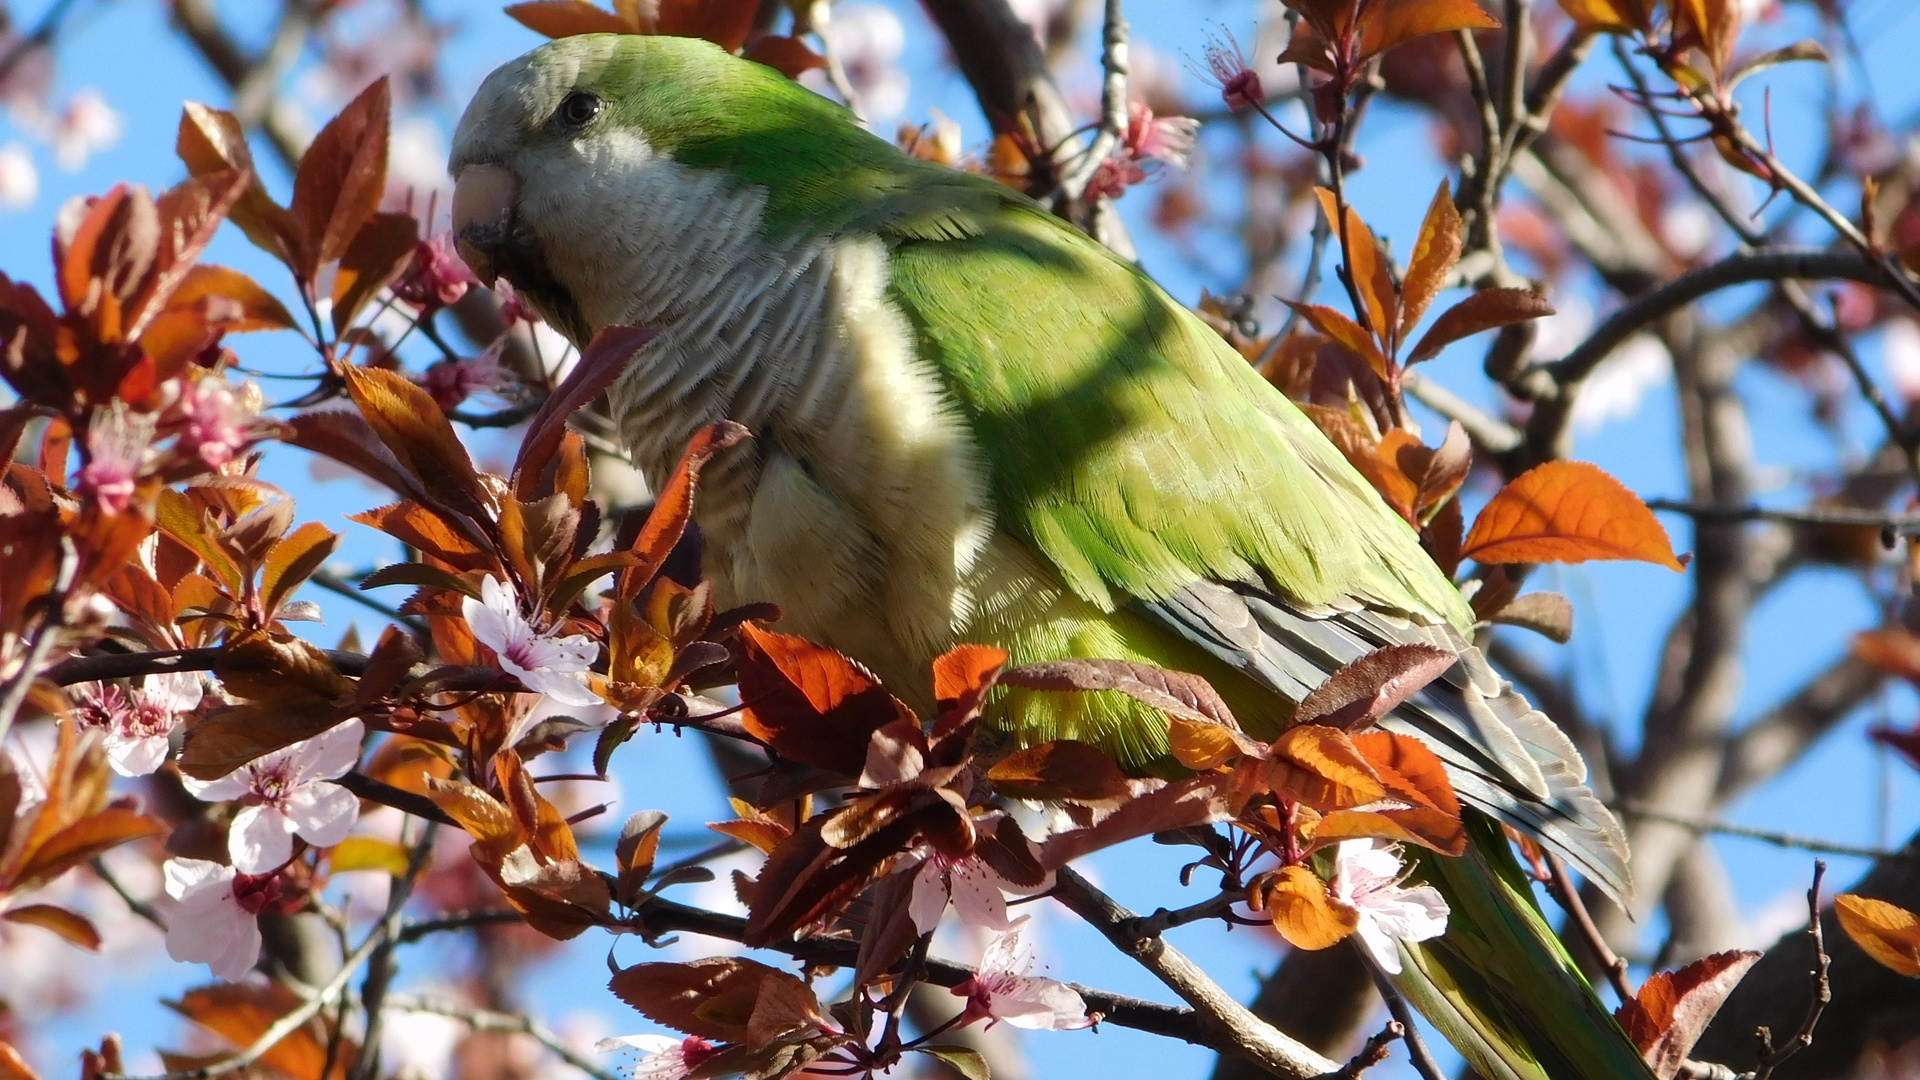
1673,1008
1320,767
1345,331
211,140
1606,15
1202,745
241,1012
1409,770
1569,512
1371,279
293,559
1434,254
255,307
421,439
341,177
13,1066
1893,650
1428,828
72,925
1400,21
1484,310
1889,934
568,18
1063,770
377,255
1304,913
810,703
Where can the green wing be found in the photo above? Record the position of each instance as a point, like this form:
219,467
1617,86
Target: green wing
1131,446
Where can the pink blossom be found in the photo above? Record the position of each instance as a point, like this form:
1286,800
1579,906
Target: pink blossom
513,310
1227,69
1002,989
1367,879
219,420
975,890
285,794
438,276
215,923
662,1057
87,124
138,723
117,443
544,663
1165,139
451,382
19,180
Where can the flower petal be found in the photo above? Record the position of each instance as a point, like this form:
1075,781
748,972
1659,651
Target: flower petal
329,754
136,757
929,899
186,876
322,813
260,839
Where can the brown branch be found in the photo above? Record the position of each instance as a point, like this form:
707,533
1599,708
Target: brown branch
1771,1058
1846,516
1233,1025
1319,996
1373,1052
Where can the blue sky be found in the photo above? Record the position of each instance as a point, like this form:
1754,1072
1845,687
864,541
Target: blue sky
125,50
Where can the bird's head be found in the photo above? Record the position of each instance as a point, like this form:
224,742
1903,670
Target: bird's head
550,158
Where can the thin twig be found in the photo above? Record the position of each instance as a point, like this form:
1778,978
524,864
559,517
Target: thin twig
134,904
459,920
1372,1053
127,665
490,1020
1844,516
1778,839
1770,1058
1113,105
1417,1052
41,36
1568,896
1487,431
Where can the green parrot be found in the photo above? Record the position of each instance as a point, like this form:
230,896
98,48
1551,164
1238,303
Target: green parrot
975,424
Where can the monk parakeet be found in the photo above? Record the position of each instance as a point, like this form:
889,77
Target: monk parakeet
975,424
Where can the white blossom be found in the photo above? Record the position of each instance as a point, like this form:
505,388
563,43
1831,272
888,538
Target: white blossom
1002,989
19,180
662,1057
544,663
286,794
975,890
1367,879
137,724
88,124
214,924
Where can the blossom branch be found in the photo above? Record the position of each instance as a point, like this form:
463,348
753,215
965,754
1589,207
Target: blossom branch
1247,1034
1113,105
1373,1052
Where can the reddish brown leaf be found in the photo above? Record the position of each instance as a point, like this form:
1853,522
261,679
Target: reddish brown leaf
377,255
809,703
1373,686
1183,803
50,856
345,436
1434,254
1569,512
1345,331
716,998
75,927
667,521
567,18
419,436
1371,279
293,560
1673,1008
786,55
601,362
723,22
211,140
1545,613
962,678
1893,650
341,177
1177,693
806,880
1059,771
634,853
1888,933
252,307
1484,310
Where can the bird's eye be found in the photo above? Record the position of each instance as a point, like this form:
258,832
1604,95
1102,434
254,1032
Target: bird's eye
577,109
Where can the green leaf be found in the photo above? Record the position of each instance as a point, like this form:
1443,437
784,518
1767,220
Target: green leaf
964,1060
